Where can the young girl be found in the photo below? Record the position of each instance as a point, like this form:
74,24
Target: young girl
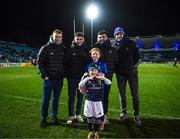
92,84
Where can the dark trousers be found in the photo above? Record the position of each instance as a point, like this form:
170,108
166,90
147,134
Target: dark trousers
133,84
51,87
72,91
106,94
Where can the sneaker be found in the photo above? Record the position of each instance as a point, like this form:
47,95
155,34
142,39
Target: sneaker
137,120
90,135
70,120
79,119
96,136
122,117
54,120
106,121
43,124
101,126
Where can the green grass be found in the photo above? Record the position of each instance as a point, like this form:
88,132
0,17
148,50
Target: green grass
159,87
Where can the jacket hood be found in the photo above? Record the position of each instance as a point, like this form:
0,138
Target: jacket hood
51,41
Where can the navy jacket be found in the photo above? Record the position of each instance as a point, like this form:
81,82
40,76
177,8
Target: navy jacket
51,60
128,57
76,59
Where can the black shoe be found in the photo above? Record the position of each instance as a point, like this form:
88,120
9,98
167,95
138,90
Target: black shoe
54,120
122,117
137,120
43,124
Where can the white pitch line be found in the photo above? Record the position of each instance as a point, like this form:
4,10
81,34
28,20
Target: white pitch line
23,98
26,98
111,109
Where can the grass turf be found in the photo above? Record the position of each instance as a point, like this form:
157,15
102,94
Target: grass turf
159,85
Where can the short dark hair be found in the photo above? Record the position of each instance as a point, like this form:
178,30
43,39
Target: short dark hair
78,34
101,32
57,31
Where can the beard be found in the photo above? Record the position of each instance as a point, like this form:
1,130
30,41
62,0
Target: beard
58,42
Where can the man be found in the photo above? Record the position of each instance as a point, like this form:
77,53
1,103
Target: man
128,58
175,62
50,64
76,60
109,58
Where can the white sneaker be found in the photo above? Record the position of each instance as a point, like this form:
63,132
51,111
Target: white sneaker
122,117
79,119
70,120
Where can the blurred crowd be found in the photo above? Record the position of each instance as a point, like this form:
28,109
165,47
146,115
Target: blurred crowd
12,54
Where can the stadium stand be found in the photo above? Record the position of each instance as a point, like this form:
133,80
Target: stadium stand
11,52
154,49
158,49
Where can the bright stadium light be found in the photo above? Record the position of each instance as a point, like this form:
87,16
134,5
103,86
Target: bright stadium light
92,12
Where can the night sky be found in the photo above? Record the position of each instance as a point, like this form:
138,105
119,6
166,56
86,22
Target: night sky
32,21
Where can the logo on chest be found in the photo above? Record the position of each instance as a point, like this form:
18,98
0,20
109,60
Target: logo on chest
51,53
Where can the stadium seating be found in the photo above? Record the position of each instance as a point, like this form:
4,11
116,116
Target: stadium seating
157,49
14,52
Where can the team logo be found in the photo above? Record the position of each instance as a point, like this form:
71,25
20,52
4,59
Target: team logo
51,53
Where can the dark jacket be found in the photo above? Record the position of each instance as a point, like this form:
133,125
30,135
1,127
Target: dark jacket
76,59
128,57
108,55
50,60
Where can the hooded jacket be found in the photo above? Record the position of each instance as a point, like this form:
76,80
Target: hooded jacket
76,59
128,57
51,60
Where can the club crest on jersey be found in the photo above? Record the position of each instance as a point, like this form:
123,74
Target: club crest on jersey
110,52
51,53
99,113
